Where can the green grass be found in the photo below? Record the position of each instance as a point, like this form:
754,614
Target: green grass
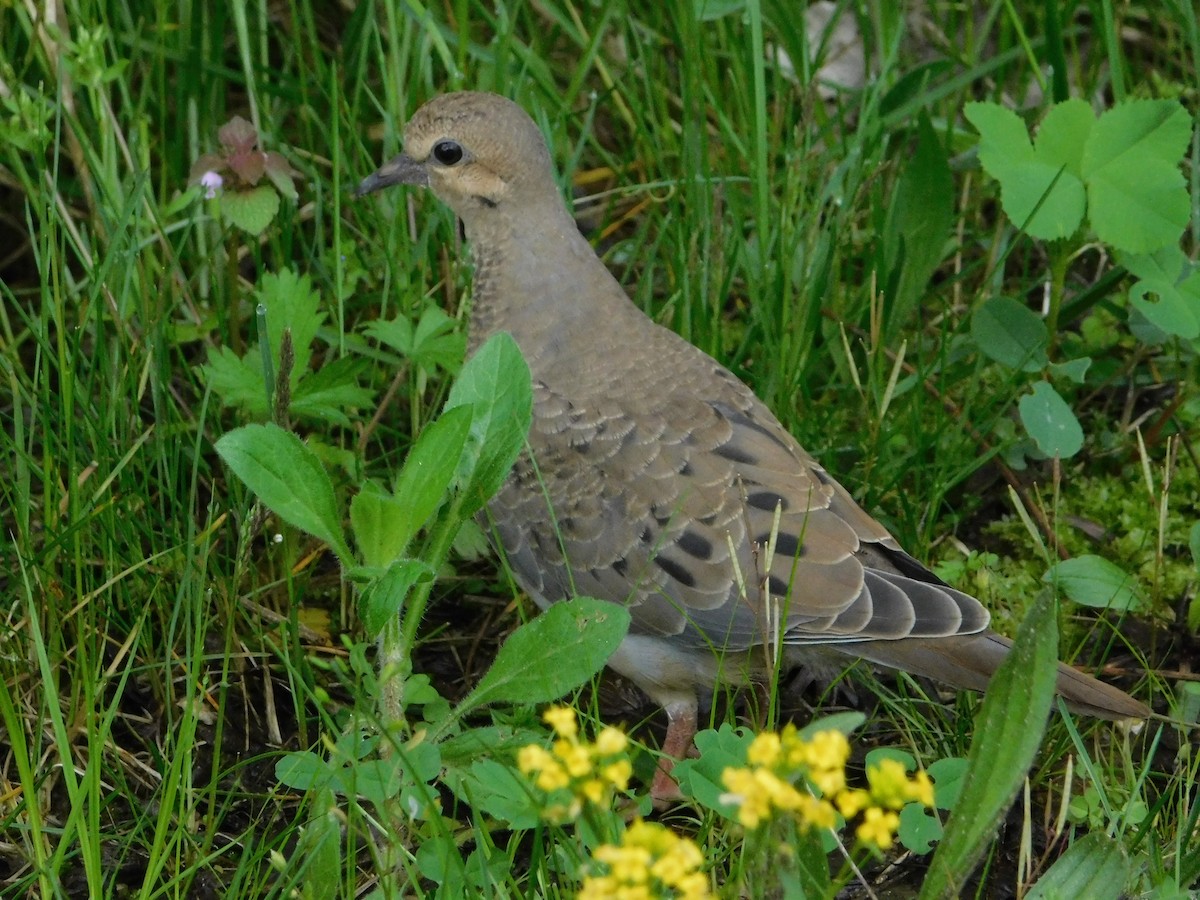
161,650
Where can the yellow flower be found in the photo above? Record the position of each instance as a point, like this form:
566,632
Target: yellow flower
650,862
878,827
765,750
562,720
611,741
890,785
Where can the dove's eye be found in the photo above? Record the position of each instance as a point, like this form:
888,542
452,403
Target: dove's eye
448,153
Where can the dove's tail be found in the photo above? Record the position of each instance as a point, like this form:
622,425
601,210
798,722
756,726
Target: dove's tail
968,661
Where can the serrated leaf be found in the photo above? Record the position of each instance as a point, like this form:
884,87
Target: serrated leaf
1094,581
1010,333
495,382
252,211
1137,195
555,653
1044,200
1063,135
1050,422
288,478
1038,189
236,380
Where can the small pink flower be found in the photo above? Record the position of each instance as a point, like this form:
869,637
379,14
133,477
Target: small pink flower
211,182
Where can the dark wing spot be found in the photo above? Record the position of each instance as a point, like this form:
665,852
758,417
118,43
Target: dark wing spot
486,201
777,586
740,418
695,545
647,535
822,475
788,545
734,454
675,570
620,566
767,501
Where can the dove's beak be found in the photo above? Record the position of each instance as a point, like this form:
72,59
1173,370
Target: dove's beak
402,169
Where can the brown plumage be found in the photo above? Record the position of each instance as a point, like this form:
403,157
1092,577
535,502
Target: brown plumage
657,479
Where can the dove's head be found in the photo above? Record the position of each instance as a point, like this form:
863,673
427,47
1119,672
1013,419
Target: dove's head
477,152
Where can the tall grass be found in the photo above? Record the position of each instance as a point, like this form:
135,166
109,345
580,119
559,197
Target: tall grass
160,648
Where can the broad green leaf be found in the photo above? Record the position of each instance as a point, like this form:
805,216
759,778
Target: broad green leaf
1003,138
1050,422
316,862
1038,189
1095,866
1168,276
1043,199
423,482
304,770
555,653
1010,333
252,211
1194,544
1094,581
1008,733
496,789
918,222
385,524
495,383
1137,195
383,599
1063,135
288,478
699,777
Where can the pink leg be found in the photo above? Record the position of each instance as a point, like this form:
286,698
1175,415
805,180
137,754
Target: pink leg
681,728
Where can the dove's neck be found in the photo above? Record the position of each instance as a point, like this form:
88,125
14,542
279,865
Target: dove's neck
539,280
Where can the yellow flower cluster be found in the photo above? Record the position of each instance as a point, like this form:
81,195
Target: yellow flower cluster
650,862
589,772
777,762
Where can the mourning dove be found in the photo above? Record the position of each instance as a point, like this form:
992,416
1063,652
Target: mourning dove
658,480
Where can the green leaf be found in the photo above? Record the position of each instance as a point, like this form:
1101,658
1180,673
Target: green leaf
555,653
238,381
316,862
918,222
1194,544
252,211
1010,333
1050,422
919,829
1137,195
328,392
1096,582
1063,135
1008,732
1095,866
383,599
700,777
288,478
1038,189
292,305
495,382
384,524
499,791
1169,276
1073,369
304,770
423,482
